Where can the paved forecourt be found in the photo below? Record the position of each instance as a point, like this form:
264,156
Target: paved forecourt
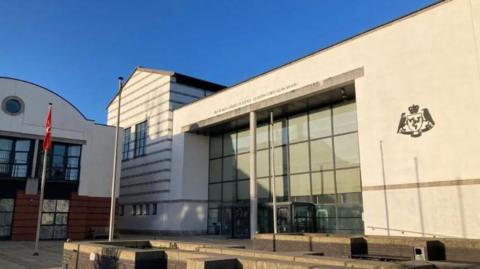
18,254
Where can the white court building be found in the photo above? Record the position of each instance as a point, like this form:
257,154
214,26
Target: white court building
377,134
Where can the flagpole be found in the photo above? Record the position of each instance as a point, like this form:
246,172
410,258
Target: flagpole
115,153
274,194
42,189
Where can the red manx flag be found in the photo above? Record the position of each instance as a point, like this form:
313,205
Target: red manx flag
47,141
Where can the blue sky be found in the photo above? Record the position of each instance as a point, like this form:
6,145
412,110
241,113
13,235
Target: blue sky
78,48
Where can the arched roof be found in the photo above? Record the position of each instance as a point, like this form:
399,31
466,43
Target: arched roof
48,90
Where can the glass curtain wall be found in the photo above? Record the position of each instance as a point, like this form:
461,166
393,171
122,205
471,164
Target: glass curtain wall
228,179
316,161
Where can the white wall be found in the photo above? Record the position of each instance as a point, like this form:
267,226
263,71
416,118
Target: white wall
432,59
97,162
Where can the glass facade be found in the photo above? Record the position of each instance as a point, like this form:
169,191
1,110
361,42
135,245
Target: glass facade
317,173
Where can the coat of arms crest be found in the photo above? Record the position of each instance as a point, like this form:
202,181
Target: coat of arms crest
415,123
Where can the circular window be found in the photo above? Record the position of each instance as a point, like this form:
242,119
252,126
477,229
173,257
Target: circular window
12,105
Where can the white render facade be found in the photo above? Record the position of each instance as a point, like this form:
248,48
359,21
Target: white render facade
412,88
148,97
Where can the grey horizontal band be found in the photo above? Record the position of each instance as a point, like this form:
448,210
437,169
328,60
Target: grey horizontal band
145,174
169,201
140,112
442,183
141,95
283,98
143,193
144,183
146,164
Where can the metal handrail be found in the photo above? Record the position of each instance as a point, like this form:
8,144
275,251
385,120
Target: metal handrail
413,232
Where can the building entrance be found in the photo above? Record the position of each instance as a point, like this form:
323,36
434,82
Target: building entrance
236,221
292,217
241,222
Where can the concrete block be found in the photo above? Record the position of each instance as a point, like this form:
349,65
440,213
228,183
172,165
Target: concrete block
321,260
213,263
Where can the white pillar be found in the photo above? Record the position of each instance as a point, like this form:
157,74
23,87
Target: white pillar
34,159
253,174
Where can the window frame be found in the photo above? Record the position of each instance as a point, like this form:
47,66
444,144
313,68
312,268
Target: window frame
11,158
139,147
55,212
127,139
65,162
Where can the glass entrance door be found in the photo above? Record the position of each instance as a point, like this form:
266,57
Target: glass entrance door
303,218
241,222
6,217
284,224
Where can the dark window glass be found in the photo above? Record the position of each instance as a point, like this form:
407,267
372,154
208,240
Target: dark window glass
138,209
154,209
15,157
140,139
13,106
126,143
6,217
63,162
133,210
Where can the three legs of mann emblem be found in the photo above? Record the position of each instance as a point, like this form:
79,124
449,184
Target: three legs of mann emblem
415,123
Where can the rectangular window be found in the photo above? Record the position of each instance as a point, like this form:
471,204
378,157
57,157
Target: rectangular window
6,217
263,137
229,144
54,219
243,166
140,139
126,143
298,128
138,209
263,163
133,210
15,157
216,146
215,170
243,190
154,209
346,151
299,158
322,154
228,192
63,162
300,185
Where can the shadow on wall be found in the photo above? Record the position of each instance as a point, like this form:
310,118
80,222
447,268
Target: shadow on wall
420,203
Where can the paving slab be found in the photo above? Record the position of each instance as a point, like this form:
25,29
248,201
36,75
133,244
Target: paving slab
18,254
